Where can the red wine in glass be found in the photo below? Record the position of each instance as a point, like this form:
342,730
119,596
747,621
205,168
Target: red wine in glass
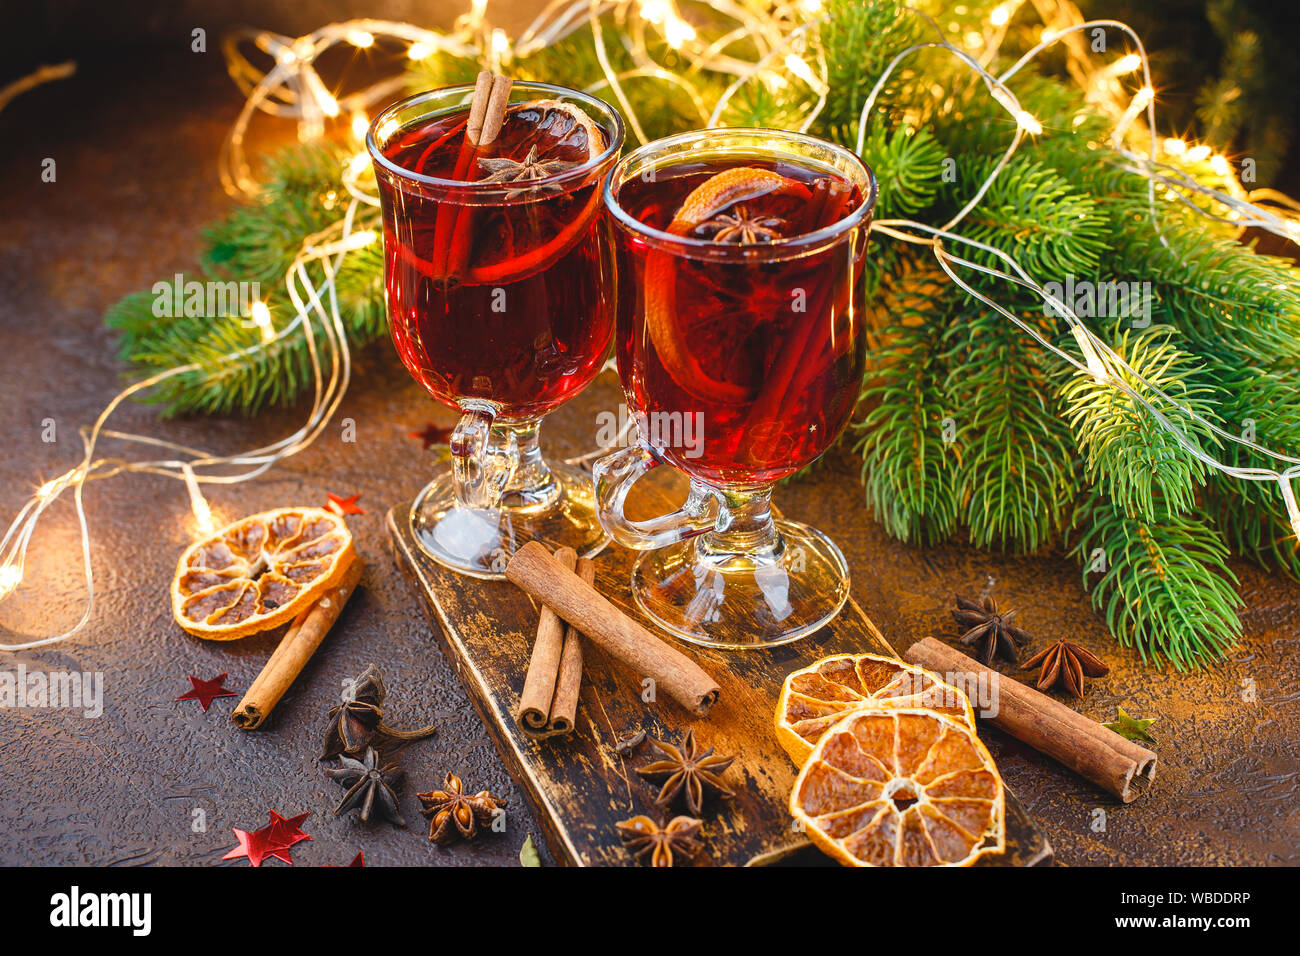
499,274
766,350
512,302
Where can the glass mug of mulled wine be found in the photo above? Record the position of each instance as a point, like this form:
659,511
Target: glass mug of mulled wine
740,254
499,276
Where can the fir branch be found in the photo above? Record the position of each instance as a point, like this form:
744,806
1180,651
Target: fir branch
1262,405
1032,213
908,164
1233,304
1164,586
256,242
1143,468
859,38
1016,477
908,468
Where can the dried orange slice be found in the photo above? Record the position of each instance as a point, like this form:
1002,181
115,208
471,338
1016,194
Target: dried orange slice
901,788
259,572
818,696
715,195
555,136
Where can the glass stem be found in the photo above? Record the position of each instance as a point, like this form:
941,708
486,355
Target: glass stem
532,483
746,527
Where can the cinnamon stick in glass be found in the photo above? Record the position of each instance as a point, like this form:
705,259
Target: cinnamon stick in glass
295,650
453,232
1112,762
534,570
544,665
568,684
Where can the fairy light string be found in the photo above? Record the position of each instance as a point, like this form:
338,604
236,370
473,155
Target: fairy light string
781,50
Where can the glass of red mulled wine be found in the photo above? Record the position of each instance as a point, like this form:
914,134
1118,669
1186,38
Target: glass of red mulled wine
741,347
499,276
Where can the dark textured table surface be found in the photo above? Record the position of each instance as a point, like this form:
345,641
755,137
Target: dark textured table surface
136,149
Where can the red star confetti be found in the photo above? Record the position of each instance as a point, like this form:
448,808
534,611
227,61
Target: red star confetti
273,840
206,691
432,435
286,833
343,506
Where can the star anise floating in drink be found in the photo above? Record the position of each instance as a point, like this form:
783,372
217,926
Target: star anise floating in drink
1066,663
453,813
991,632
527,170
370,787
666,845
741,227
688,771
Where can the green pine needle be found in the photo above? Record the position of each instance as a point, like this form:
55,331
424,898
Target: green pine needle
1164,586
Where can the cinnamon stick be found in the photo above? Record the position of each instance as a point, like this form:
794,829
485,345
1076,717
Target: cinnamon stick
568,685
534,569
453,233
295,650
1114,763
544,665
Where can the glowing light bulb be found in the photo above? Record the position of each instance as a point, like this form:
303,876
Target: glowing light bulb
360,123
1000,16
261,316
1028,123
811,7
359,240
1220,165
419,50
1048,35
47,490
1175,147
358,164
329,105
1198,153
677,31
1127,63
796,65
361,38
655,11
500,43
1144,97
10,577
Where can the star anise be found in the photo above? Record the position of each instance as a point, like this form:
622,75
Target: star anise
741,227
665,846
689,771
358,722
1067,663
528,170
370,787
454,813
992,633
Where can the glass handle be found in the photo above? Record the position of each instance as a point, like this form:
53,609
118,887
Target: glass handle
482,461
616,473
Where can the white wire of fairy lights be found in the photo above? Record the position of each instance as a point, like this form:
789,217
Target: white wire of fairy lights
317,314
782,53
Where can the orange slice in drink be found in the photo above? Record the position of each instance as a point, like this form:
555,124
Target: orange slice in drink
818,696
553,136
671,342
901,788
259,572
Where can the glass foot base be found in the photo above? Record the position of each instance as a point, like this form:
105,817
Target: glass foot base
480,542
737,601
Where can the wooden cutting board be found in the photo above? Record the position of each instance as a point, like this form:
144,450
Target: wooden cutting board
579,786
